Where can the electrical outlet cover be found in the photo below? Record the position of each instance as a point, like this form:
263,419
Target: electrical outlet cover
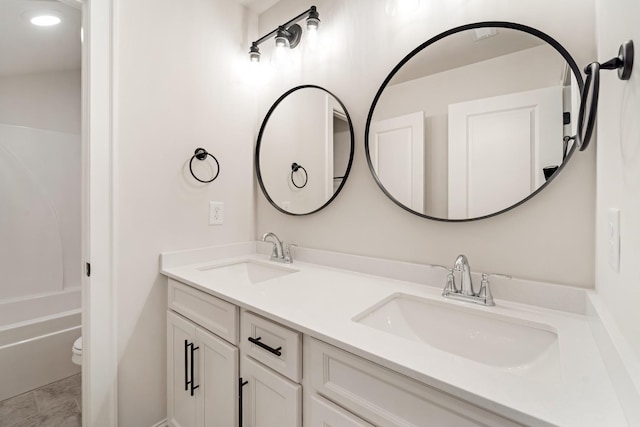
216,213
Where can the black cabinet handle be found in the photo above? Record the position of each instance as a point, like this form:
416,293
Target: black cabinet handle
192,381
260,344
186,365
240,385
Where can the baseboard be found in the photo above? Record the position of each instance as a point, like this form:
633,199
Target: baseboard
162,423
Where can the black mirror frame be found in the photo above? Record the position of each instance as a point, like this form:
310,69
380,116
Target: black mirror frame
259,143
496,24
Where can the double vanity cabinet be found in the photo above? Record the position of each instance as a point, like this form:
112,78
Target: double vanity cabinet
257,343
230,367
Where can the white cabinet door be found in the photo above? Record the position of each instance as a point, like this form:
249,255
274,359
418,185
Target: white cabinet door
202,376
268,398
323,413
181,409
384,397
217,371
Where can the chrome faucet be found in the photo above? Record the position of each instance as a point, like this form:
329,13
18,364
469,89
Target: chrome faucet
281,252
466,291
462,265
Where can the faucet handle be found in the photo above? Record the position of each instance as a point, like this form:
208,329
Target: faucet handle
288,259
450,285
274,249
485,288
485,291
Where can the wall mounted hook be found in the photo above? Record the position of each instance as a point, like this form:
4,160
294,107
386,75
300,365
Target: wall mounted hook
589,100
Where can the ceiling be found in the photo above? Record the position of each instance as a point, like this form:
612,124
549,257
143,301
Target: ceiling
460,49
26,48
258,6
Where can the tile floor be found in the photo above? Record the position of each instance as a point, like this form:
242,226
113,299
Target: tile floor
54,405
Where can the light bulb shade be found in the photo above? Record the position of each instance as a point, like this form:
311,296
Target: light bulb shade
292,35
313,24
313,21
254,53
282,41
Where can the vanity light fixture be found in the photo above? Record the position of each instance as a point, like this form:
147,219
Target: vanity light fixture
287,35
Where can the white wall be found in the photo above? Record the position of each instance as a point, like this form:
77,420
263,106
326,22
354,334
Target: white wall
178,87
40,150
42,100
618,150
40,213
549,238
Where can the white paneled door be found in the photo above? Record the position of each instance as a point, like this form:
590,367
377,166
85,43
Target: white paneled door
498,148
397,154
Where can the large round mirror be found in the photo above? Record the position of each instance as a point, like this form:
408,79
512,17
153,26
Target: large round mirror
474,122
304,150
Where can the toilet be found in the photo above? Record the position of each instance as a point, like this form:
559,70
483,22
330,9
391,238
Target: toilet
76,352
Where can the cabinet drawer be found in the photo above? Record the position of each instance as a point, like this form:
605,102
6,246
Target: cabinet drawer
286,344
384,397
214,314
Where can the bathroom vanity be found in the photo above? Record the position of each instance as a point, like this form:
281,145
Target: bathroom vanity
253,342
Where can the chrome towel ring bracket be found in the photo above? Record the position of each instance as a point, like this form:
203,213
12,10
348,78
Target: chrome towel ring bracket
202,154
295,168
624,64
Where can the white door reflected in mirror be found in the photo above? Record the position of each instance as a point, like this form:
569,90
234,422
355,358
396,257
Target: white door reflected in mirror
498,148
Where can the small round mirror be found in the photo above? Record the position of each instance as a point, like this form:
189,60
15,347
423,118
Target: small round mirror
474,122
304,150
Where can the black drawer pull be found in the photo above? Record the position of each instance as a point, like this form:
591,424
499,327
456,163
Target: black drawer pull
260,344
186,365
240,385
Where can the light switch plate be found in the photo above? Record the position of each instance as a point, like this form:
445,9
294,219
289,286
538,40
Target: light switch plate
216,213
613,231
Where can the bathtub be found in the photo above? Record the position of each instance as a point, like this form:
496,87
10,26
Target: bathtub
36,337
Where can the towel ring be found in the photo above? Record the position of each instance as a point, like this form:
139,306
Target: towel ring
294,168
202,154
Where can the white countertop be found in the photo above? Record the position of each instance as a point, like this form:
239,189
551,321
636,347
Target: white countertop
321,302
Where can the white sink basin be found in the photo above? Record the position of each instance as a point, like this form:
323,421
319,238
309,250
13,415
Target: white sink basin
250,271
511,344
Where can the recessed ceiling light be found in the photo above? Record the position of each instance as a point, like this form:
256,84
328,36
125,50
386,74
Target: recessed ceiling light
43,18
